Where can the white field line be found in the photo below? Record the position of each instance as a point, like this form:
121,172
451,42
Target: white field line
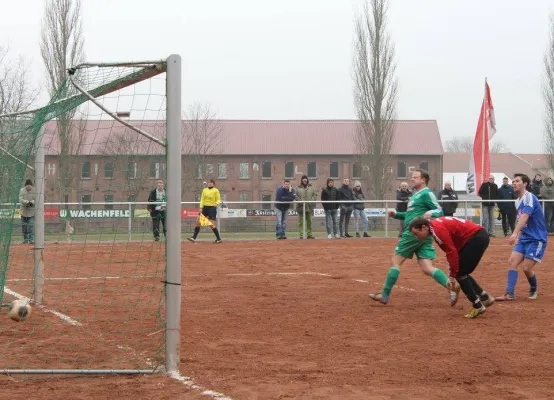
189,382
85,278
61,316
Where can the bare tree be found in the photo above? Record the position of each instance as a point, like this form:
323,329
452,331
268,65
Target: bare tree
17,91
62,46
548,94
375,93
464,144
202,143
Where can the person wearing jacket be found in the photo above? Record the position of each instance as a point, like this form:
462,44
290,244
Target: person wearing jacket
537,185
547,193
359,210
209,200
331,193
284,196
157,207
27,201
507,209
306,195
448,208
403,195
488,191
346,195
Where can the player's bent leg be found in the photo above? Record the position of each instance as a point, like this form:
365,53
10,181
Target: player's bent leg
426,266
515,259
390,280
529,270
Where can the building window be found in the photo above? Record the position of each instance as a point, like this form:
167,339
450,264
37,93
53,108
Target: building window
155,169
266,169
132,170
357,170
199,168
222,170
108,170
244,196
108,198
289,170
266,198
312,170
424,165
85,170
86,199
401,170
334,169
243,170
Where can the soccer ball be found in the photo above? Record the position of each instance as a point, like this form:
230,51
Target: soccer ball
19,310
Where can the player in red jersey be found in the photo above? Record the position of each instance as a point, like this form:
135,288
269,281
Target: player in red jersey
464,244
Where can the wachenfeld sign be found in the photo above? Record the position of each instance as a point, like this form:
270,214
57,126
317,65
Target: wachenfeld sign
95,214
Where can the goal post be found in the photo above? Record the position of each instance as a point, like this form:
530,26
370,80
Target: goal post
53,276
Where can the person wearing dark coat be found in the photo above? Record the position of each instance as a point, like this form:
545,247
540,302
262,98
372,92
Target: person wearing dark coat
403,195
448,208
507,209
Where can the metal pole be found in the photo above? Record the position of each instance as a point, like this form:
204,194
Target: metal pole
130,224
173,215
304,220
218,218
386,219
465,208
38,270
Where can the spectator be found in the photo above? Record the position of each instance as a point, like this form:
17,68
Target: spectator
305,193
284,197
488,191
157,207
27,201
403,195
507,209
346,195
448,208
547,193
331,193
537,185
359,209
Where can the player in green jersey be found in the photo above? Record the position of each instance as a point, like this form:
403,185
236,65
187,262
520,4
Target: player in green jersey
423,203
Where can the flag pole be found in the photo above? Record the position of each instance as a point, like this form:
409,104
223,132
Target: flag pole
483,134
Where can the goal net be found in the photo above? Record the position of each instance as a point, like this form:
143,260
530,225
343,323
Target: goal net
75,174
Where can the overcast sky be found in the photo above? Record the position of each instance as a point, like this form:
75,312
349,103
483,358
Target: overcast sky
292,59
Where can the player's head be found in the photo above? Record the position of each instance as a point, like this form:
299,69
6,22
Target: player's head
420,178
160,185
420,228
211,183
521,182
286,184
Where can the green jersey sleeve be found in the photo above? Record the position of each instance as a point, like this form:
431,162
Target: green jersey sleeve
433,205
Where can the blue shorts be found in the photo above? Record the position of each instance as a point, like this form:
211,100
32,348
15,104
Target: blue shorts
531,250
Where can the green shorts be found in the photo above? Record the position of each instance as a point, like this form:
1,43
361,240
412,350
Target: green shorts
408,245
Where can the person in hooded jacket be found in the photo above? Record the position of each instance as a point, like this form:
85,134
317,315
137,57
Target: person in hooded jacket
346,206
331,193
448,193
507,209
284,196
306,195
359,210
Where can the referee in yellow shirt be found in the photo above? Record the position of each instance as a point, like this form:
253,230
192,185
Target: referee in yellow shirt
208,205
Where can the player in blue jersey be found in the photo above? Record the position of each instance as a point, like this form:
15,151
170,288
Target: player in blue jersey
530,234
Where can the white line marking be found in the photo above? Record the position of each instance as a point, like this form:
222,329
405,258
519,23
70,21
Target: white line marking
61,316
189,382
87,278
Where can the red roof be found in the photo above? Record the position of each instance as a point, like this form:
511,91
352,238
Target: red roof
258,137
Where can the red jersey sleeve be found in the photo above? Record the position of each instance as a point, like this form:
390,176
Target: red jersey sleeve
444,240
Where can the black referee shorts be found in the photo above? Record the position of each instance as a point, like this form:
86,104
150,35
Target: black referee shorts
209,212
471,253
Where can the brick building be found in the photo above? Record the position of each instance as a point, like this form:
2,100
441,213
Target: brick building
252,158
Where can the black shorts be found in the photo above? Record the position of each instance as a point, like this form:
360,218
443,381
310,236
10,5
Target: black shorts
209,212
471,253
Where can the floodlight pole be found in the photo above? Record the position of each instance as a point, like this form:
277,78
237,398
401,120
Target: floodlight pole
173,215
38,270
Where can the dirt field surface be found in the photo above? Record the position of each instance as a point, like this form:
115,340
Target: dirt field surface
286,319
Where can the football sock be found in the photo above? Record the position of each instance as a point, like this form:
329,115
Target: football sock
467,287
216,233
476,288
440,277
196,230
390,280
533,282
512,280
